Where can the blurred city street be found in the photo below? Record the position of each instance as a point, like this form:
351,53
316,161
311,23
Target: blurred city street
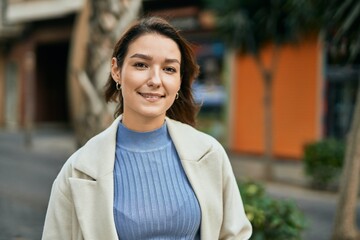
277,78
26,175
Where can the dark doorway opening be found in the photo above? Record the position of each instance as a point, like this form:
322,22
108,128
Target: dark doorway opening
342,84
51,87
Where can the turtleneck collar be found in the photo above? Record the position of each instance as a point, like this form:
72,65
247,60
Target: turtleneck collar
142,141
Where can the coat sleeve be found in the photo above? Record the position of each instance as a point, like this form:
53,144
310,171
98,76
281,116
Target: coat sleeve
235,223
60,215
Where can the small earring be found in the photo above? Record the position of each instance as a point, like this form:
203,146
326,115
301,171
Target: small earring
177,95
118,86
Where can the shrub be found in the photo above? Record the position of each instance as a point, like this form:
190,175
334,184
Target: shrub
271,219
323,161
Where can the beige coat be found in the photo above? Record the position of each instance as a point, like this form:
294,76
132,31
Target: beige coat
81,201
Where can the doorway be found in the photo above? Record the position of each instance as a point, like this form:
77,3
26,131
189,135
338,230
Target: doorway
51,85
342,84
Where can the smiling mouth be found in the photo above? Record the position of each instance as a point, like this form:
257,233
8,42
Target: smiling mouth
151,96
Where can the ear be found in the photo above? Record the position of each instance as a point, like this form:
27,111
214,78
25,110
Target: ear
115,70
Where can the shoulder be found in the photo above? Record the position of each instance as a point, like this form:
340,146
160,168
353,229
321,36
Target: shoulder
94,157
192,132
190,139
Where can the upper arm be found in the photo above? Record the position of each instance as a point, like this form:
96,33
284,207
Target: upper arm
58,220
235,223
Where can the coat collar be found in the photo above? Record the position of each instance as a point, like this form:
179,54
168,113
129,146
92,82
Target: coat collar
97,156
190,143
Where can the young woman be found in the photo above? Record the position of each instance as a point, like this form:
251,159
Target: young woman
150,175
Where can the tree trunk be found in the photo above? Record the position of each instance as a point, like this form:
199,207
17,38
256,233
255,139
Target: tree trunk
268,76
97,29
345,218
268,133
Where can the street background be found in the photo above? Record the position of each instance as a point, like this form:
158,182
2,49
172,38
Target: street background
274,77
26,175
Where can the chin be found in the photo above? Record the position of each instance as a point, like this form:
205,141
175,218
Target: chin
153,114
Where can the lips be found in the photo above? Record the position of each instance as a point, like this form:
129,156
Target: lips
152,96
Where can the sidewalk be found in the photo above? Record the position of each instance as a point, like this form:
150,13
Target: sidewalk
284,171
26,176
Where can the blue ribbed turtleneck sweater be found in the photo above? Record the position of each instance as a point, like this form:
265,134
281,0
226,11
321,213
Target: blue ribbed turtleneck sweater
152,195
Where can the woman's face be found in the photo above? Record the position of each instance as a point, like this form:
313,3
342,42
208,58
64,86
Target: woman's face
149,78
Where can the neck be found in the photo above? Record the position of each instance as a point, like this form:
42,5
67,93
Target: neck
142,124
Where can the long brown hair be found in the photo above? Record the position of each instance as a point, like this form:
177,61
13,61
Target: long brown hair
184,109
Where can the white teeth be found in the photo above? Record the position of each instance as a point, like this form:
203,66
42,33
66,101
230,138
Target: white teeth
150,96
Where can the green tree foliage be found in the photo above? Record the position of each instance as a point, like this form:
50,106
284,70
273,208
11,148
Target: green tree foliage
339,20
247,25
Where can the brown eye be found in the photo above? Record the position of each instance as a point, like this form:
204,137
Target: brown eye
140,65
170,70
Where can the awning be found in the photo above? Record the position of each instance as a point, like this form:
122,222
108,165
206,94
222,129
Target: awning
39,10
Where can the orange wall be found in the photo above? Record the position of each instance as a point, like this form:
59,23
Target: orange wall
295,101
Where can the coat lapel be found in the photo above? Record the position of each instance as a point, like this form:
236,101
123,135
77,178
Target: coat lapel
92,185
94,207
190,144
198,159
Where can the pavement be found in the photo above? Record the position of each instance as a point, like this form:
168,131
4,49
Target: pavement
27,172
26,175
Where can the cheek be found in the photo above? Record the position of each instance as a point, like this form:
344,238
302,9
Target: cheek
132,79
173,85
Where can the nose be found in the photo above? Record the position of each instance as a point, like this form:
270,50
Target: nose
155,79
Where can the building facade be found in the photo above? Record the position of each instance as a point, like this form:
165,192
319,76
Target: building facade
33,61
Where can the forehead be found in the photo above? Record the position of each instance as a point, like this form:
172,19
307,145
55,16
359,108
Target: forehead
154,44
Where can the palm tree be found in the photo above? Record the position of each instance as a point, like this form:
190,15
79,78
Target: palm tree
247,25
345,16
97,28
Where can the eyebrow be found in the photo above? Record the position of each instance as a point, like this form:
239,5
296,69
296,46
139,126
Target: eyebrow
147,57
